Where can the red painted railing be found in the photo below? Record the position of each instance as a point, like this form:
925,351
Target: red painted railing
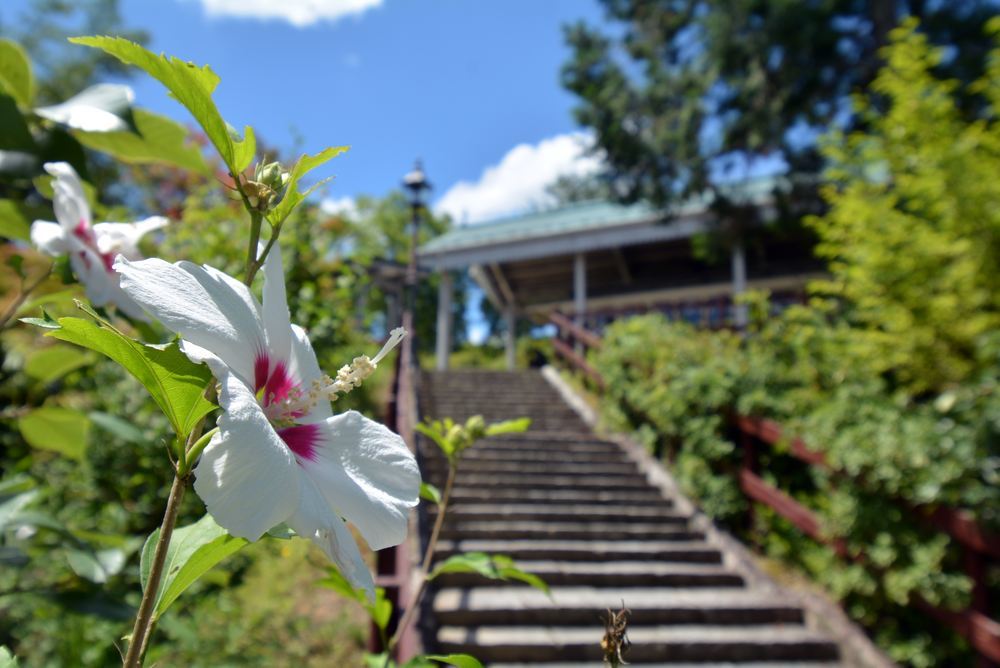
393,565
980,546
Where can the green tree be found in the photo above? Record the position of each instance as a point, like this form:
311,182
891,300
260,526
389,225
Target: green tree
683,94
913,230
379,231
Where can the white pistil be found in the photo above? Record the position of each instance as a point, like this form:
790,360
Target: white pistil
350,376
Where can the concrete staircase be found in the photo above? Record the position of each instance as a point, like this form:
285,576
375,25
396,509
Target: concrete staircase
576,510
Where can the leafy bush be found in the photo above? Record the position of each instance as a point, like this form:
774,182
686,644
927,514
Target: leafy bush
892,369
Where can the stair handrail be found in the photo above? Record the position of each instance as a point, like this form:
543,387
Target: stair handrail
979,545
571,342
393,565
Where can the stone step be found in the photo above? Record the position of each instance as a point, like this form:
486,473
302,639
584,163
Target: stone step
608,574
566,530
540,481
562,512
641,499
654,643
581,606
587,550
482,454
539,439
537,468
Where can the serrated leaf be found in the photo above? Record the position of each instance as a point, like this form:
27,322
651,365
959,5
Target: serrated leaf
190,85
194,550
158,140
176,384
509,427
58,429
429,492
16,78
492,566
303,166
53,362
99,108
457,660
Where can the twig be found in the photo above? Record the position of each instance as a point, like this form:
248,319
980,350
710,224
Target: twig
138,643
425,568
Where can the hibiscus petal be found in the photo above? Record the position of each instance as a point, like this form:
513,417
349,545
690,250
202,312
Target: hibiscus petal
277,321
367,475
89,269
314,521
50,238
306,369
203,305
68,201
247,478
124,237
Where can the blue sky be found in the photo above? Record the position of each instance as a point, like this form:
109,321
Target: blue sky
471,87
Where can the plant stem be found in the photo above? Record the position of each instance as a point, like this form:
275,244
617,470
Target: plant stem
425,568
25,291
191,456
138,642
255,222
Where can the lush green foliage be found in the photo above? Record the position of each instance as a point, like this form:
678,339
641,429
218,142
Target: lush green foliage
680,93
892,370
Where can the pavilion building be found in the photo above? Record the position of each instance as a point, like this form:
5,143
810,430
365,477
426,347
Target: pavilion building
599,260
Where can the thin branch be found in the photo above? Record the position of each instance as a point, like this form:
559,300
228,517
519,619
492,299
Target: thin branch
425,568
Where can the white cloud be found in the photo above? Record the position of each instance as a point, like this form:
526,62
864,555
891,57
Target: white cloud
300,13
519,181
333,206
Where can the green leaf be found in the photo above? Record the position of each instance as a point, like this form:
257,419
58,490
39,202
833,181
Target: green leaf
96,566
293,197
381,610
336,581
194,550
429,492
190,85
509,427
16,79
53,362
58,429
492,566
159,140
7,659
118,427
176,383
14,132
13,223
433,432
458,660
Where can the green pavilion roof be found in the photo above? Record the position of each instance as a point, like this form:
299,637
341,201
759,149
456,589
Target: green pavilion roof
581,219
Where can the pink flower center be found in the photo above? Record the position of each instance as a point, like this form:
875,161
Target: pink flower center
280,396
85,234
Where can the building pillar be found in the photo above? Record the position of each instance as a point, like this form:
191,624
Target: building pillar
510,336
739,270
580,287
443,343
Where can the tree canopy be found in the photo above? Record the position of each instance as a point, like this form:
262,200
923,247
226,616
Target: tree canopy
685,94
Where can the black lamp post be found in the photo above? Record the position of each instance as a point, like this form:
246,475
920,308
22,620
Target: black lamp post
416,183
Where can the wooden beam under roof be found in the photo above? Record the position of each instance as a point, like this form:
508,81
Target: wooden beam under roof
503,284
